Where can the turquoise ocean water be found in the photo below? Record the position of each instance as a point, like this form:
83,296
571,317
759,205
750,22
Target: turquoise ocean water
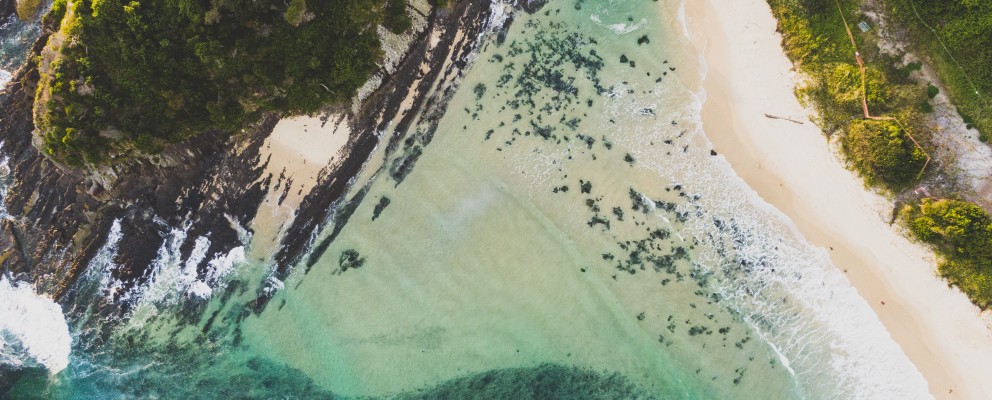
566,232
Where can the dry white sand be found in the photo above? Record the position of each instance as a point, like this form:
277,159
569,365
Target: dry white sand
792,167
299,148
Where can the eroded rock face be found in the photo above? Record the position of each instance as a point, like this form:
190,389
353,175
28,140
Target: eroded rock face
213,184
7,7
457,29
60,216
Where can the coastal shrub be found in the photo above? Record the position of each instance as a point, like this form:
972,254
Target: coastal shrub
812,30
844,87
814,7
295,12
27,9
882,153
130,77
396,18
954,34
829,115
55,13
834,91
801,45
961,232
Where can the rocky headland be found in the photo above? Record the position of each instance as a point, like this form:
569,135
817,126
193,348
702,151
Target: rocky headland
212,184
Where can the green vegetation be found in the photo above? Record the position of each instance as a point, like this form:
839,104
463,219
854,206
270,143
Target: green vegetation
128,77
815,39
442,3
27,9
882,153
954,34
961,232
397,20
295,12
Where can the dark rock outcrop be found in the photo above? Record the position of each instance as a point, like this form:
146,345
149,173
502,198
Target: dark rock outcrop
7,8
213,184
381,109
60,216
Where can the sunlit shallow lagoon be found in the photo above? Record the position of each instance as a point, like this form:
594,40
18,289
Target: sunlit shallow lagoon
566,231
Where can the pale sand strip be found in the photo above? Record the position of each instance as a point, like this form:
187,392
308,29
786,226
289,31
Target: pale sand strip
299,148
792,167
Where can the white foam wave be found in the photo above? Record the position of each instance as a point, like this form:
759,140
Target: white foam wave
102,265
4,183
499,11
4,78
273,285
33,330
621,28
244,236
802,306
223,265
199,289
171,278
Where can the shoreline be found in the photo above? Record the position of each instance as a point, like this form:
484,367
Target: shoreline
792,167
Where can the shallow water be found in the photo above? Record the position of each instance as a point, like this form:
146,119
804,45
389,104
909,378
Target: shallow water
16,38
565,232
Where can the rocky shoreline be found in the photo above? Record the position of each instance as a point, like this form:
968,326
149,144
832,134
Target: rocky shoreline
212,185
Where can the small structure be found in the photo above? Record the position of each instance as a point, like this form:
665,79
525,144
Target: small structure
864,26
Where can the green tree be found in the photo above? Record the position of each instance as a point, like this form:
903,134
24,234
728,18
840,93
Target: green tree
133,76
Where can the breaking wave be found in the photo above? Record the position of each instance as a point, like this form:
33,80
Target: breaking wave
825,333
33,331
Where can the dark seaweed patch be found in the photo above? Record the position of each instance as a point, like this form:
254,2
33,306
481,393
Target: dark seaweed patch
350,259
479,90
383,203
585,186
545,381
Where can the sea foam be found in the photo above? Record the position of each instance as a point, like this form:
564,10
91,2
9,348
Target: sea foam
802,306
33,330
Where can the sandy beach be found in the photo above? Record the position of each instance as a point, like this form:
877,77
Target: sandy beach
792,167
296,153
